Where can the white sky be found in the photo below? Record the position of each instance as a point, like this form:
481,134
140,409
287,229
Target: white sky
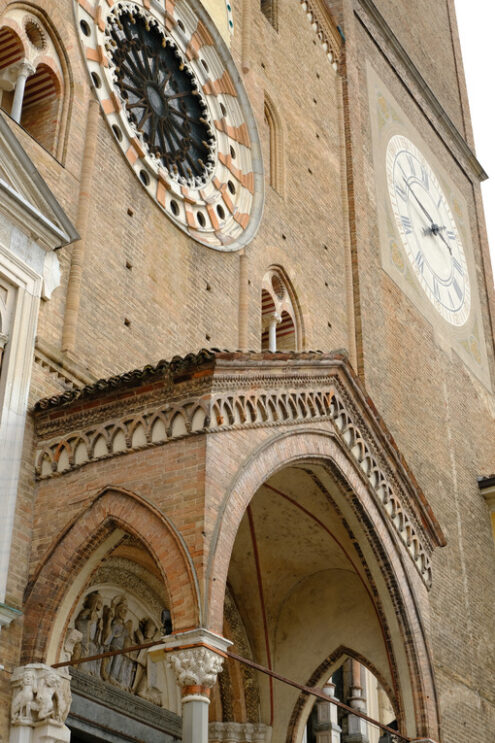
476,21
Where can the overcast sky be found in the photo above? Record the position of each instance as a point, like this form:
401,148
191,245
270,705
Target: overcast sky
476,21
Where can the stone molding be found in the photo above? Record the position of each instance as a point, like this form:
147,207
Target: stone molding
239,732
240,391
8,614
112,697
41,695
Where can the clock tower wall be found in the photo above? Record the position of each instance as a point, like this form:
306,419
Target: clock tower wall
434,379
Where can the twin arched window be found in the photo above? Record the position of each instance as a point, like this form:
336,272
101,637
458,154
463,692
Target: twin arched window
32,77
280,317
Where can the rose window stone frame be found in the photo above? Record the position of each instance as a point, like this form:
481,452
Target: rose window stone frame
216,198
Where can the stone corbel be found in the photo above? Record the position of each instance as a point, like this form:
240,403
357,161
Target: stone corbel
7,613
40,704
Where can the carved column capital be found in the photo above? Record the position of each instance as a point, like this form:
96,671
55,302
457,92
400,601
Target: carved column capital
196,658
195,666
41,695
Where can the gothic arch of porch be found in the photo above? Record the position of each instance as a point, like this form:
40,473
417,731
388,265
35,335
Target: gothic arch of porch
77,550
389,569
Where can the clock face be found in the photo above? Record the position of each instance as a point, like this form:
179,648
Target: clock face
428,230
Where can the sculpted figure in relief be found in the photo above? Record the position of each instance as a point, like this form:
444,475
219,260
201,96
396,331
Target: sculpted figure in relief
89,623
117,634
100,627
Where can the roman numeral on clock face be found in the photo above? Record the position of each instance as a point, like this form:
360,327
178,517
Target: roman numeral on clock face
419,261
406,223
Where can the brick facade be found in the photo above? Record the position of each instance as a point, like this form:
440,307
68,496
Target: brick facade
148,291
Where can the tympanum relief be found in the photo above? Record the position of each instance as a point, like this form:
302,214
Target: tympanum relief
108,620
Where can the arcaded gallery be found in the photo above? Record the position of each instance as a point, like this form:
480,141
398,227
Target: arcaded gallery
247,368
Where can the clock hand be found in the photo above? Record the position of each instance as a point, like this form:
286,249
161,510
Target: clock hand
443,240
414,195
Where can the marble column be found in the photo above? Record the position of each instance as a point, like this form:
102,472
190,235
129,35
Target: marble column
40,704
196,658
327,729
24,70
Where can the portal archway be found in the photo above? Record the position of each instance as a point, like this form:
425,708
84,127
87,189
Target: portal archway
314,533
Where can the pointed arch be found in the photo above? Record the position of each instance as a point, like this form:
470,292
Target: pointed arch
276,144
393,590
83,543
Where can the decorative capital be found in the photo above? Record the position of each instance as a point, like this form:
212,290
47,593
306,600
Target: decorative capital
195,666
196,658
40,694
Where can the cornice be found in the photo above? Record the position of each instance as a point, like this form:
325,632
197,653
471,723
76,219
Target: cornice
215,392
388,43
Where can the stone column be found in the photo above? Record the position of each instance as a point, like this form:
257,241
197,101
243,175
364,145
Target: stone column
24,70
196,657
327,729
40,704
357,728
272,332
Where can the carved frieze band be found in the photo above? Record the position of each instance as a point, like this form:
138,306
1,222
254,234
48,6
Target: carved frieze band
240,409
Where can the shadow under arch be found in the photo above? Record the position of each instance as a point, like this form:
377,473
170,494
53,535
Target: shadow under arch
388,568
113,511
303,705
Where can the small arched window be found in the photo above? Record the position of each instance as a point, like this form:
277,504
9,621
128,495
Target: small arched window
32,74
280,318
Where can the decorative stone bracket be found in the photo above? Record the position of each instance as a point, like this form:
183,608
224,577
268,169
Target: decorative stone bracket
40,704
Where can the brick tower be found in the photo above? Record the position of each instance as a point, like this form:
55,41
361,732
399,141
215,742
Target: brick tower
246,375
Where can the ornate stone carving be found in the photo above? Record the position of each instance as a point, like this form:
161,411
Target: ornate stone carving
195,666
105,625
40,693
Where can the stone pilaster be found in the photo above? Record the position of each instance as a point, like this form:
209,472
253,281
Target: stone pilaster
40,704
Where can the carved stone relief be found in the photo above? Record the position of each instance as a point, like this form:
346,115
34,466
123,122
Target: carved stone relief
111,617
40,694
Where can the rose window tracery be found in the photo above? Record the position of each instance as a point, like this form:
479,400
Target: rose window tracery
177,108
161,97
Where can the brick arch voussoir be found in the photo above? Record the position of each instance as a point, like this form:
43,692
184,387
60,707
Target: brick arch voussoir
321,446
112,508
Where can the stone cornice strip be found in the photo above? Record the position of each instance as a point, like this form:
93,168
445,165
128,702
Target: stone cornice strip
213,392
324,27
394,52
